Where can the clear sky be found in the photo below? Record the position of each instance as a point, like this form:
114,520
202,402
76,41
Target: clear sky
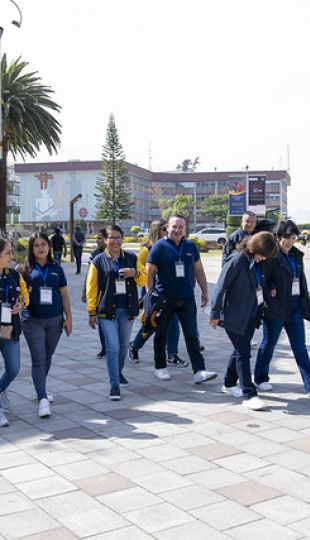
225,80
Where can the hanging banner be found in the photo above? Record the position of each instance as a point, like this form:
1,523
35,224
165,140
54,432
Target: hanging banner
257,194
237,195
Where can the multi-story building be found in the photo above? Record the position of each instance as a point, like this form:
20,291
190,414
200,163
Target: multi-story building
46,190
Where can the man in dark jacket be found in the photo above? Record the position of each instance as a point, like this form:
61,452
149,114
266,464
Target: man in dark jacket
78,239
247,226
59,245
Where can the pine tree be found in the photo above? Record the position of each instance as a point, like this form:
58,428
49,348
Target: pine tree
114,200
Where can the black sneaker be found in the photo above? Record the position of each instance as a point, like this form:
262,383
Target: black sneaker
102,354
115,393
176,361
133,353
122,380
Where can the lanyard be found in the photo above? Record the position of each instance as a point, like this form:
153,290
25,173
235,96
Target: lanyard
258,273
43,274
179,253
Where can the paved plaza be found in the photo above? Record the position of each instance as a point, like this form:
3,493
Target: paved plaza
171,460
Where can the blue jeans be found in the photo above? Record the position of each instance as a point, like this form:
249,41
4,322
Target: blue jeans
186,311
239,362
10,350
116,335
42,336
296,333
57,256
101,336
172,336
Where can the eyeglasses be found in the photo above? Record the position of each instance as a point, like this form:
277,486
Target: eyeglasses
115,238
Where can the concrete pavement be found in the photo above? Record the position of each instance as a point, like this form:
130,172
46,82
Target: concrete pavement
171,460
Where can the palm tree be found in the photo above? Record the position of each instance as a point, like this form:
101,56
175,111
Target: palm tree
188,165
27,123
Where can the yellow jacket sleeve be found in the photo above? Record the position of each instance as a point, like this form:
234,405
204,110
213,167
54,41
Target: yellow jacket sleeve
141,277
92,289
143,255
23,290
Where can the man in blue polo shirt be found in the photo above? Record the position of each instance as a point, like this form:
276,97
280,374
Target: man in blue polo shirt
177,263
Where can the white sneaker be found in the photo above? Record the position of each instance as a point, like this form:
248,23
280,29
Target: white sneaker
49,396
264,386
254,403
234,391
254,344
44,408
3,419
202,376
162,374
5,402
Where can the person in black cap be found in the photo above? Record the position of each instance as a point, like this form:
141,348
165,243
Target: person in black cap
78,239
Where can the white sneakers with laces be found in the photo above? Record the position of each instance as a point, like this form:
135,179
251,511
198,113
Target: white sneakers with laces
44,408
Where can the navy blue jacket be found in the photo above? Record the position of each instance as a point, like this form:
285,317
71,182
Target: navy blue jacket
279,276
234,300
232,243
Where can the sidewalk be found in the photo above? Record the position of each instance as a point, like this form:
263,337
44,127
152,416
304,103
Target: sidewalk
171,460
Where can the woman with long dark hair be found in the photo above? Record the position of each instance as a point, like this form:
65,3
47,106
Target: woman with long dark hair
48,313
13,297
112,297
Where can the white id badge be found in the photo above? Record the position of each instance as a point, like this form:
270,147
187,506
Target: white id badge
120,286
295,287
46,295
6,313
179,269
259,296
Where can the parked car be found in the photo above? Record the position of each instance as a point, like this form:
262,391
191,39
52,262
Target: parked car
143,233
211,235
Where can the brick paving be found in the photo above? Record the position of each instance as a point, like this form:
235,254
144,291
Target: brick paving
171,460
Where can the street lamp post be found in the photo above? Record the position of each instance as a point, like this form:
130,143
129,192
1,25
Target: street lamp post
72,202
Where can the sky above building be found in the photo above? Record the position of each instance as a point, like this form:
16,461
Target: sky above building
223,80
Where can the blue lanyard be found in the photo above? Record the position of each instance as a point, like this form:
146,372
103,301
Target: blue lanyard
179,253
43,274
258,273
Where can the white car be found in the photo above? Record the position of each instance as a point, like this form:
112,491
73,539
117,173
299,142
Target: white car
143,234
211,235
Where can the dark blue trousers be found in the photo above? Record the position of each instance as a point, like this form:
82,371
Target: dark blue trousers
239,362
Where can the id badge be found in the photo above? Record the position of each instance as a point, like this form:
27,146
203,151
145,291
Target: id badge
179,269
295,287
46,295
120,286
6,313
259,296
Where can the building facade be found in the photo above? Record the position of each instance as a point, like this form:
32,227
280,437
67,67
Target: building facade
46,190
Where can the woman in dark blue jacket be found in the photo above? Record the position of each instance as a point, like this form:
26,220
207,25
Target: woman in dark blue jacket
287,299
237,303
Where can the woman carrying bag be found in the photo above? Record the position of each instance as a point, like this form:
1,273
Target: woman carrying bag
13,297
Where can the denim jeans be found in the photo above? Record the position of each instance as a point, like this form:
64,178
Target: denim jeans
57,256
10,350
239,362
186,311
42,336
172,336
78,250
116,335
296,333
101,336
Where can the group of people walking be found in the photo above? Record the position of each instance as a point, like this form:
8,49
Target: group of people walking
262,280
